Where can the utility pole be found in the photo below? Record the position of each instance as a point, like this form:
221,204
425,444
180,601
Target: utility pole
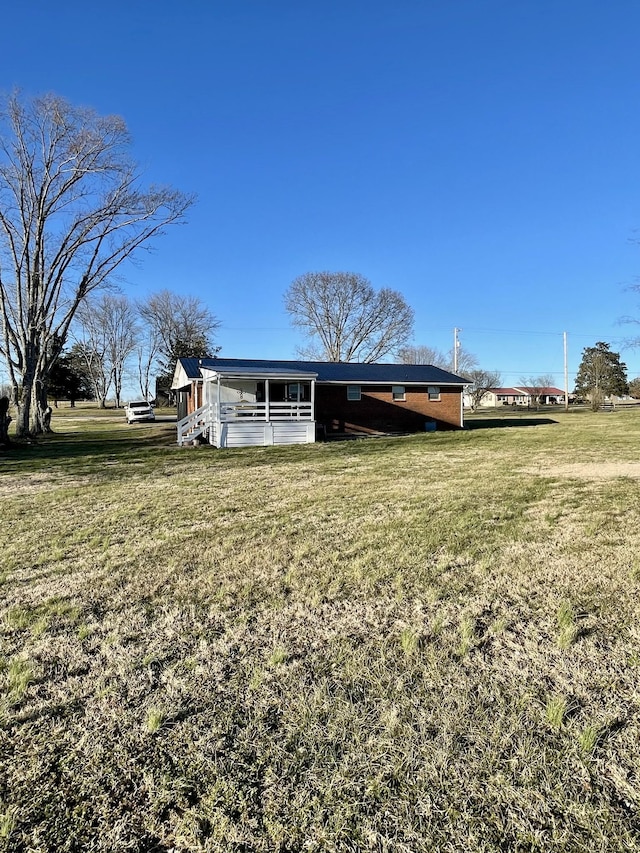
566,374
456,347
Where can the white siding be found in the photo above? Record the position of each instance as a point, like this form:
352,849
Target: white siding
262,434
284,433
244,435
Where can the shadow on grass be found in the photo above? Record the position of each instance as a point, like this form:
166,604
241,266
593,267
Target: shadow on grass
87,451
495,423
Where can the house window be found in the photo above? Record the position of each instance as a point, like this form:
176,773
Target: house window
353,392
433,392
298,392
397,392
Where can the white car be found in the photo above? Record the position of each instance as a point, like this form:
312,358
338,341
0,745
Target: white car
139,411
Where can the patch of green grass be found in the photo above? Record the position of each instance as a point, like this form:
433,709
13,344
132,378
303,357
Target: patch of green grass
20,674
567,625
278,656
467,631
155,719
588,738
555,711
409,640
7,822
41,616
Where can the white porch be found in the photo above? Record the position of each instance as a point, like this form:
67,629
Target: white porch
253,408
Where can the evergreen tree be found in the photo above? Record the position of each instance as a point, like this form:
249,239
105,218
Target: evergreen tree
68,379
601,374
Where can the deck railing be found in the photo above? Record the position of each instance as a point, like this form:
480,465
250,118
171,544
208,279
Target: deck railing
200,421
263,411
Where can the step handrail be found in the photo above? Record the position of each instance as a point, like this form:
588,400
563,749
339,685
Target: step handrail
195,422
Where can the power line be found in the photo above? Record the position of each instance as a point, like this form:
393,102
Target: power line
591,336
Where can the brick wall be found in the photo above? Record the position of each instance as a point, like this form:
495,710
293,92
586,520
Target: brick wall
376,411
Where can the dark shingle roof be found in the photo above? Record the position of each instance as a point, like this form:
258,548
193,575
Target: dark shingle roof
333,371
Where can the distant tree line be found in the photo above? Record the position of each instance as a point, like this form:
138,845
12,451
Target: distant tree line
118,341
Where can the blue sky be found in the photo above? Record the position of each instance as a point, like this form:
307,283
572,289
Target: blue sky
480,156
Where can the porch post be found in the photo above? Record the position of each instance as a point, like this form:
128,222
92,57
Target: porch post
218,401
313,399
267,413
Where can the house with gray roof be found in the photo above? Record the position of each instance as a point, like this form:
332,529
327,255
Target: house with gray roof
243,402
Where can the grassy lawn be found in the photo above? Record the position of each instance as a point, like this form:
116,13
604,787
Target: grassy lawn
411,644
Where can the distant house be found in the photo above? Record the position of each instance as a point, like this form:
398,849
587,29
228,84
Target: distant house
505,397
522,397
244,402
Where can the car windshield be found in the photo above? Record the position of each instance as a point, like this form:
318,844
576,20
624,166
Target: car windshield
138,405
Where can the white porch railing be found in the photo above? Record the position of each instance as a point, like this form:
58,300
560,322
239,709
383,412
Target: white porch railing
204,418
195,424
264,411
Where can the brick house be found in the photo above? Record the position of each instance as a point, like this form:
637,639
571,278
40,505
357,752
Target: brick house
241,402
518,396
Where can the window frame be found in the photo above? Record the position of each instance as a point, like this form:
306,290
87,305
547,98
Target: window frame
398,393
433,393
352,390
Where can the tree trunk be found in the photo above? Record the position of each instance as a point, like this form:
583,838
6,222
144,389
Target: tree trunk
34,412
40,412
24,405
5,420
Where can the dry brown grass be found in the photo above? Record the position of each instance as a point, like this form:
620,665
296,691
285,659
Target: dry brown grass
394,645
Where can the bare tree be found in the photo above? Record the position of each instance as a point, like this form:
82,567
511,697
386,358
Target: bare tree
147,356
107,332
422,354
175,326
92,347
466,361
482,381
634,387
120,319
535,385
71,211
346,319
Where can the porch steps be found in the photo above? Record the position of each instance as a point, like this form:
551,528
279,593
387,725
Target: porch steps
193,426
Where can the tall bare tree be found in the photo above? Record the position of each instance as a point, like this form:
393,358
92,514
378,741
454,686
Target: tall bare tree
346,319
107,330
147,357
121,322
175,325
71,211
91,348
